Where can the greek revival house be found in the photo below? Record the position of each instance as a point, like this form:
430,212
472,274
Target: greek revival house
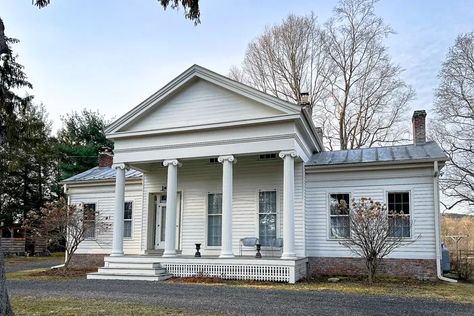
210,161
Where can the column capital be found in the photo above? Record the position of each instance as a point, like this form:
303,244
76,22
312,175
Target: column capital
229,158
120,166
174,162
290,153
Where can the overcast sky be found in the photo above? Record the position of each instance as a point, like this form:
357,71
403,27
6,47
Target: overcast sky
109,55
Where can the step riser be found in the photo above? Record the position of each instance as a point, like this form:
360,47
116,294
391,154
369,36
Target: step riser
144,272
93,276
132,265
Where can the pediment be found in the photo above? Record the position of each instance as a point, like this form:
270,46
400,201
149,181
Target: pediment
200,103
199,97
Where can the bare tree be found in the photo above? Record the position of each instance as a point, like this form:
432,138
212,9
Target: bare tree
60,222
357,94
454,125
373,235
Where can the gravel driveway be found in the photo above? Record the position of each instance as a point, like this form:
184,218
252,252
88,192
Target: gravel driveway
238,301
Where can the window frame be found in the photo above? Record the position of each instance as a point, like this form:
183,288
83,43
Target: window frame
329,216
410,203
128,220
207,246
83,204
277,213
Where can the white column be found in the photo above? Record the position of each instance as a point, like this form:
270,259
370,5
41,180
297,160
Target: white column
171,192
226,249
117,241
288,204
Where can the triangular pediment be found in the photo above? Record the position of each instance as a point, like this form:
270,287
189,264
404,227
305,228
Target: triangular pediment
201,103
199,97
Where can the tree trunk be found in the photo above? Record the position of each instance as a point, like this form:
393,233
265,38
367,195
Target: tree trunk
5,307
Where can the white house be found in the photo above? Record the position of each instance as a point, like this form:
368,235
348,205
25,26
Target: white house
207,160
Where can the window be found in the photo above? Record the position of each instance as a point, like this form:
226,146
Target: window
89,220
399,214
339,215
267,217
213,160
268,156
127,219
214,219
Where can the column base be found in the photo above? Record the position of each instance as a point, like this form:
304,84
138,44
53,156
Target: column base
227,255
288,256
169,254
117,254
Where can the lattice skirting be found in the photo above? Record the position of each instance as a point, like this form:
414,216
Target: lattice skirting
276,273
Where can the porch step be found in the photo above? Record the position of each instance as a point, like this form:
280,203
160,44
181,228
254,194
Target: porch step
134,265
131,277
132,271
145,268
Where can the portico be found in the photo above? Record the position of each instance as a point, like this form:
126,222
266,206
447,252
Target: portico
227,248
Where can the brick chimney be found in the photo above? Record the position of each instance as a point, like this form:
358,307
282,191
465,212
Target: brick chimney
305,104
419,127
106,157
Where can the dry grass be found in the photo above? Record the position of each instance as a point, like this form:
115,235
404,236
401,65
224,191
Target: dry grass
48,274
29,305
14,260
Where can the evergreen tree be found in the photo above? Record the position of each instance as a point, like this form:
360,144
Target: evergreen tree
79,141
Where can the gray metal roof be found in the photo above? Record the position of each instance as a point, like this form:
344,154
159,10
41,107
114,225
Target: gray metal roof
429,151
101,174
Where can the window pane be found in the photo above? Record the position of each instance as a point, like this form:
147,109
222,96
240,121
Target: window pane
339,204
340,227
267,202
127,214
89,211
214,230
214,203
127,229
267,229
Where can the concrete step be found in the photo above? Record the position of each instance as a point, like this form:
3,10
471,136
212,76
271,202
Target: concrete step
101,276
133,265
132,271
132,259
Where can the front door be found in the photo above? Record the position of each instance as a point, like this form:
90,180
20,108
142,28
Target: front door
159,214
160,221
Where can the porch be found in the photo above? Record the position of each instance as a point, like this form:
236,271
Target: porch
154,268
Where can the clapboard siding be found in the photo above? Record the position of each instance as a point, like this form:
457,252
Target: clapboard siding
201,102
374,184
197,178
104,197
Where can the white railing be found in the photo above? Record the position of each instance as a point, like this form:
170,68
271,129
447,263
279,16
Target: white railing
233,271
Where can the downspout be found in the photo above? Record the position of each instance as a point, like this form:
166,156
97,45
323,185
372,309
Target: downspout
437,225
65,252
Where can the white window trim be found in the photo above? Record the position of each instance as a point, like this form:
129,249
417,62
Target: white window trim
257,214
96,203
206,246
412,208
130,220
328,210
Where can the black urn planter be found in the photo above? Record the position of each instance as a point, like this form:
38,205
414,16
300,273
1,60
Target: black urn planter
198,254
258,255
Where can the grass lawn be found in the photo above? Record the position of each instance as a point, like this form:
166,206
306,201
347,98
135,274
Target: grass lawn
13,260
29,305
453,292
49,275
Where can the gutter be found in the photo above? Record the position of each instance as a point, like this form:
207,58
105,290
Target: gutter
439,274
